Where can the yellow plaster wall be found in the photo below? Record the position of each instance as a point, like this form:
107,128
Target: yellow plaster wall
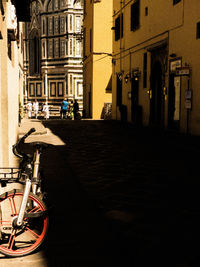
9,84
98,64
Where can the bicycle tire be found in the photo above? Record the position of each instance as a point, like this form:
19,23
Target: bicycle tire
17,242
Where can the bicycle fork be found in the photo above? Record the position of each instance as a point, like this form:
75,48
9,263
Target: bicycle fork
29,183
24,202
36,171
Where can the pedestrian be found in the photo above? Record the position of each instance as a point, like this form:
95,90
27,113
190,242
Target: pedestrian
46,110
64,108
75,109
29,109
36,108
71,110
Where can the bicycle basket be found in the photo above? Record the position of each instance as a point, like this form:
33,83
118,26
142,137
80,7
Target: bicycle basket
9,175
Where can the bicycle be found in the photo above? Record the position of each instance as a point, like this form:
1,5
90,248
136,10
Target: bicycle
24,226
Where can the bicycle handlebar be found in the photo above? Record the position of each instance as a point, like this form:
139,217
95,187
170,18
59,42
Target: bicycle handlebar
16,150
32,130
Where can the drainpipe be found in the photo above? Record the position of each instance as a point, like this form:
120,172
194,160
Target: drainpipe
120,29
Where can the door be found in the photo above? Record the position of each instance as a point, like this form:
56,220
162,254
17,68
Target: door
174,101
157,101
134,98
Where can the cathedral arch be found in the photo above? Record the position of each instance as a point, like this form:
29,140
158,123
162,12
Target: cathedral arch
34,52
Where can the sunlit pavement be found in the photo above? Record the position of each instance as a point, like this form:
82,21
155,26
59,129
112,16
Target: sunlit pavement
121,196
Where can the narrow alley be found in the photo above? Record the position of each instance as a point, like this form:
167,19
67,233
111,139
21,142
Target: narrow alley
121,196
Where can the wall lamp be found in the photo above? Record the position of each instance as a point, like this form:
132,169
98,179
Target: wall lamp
172,55
120,75
127,77
136,74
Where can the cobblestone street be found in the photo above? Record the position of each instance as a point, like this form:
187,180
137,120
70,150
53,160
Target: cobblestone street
144,184
121,196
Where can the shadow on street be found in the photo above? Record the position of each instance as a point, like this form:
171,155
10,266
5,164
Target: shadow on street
121,196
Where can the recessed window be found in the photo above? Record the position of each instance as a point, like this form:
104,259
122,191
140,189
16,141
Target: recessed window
135,15
119,25
176,2
146,11
198,30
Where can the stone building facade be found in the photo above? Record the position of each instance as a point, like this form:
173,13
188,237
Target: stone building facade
53,52
10,70
156,63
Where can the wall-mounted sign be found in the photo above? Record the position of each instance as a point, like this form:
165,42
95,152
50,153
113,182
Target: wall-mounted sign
175,64
188,94
188,99
183,71
188,104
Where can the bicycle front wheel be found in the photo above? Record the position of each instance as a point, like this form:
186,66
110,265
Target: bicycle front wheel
20,241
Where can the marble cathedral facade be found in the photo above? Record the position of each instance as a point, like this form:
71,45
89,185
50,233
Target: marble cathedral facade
53,52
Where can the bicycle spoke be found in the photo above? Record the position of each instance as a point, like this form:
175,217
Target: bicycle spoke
11,239
32,232
13,206
34,210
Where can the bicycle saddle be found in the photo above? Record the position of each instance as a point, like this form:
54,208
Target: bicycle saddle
39,145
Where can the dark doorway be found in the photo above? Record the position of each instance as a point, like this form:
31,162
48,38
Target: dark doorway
119,91
156,103
134,98
174,102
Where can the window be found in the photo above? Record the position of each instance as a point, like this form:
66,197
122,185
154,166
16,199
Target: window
146,11
52,89
50,48
62,24
70,22
70,47
60,89
119,25
62,48
135,15
50,6
43,49
198,30
43,26
56,25
70,85
38,89
50,31
62,3
32,89
78,48
56,4
176,2
56,47
78,24
145,70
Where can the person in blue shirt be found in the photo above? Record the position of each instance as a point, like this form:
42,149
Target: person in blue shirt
64,108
